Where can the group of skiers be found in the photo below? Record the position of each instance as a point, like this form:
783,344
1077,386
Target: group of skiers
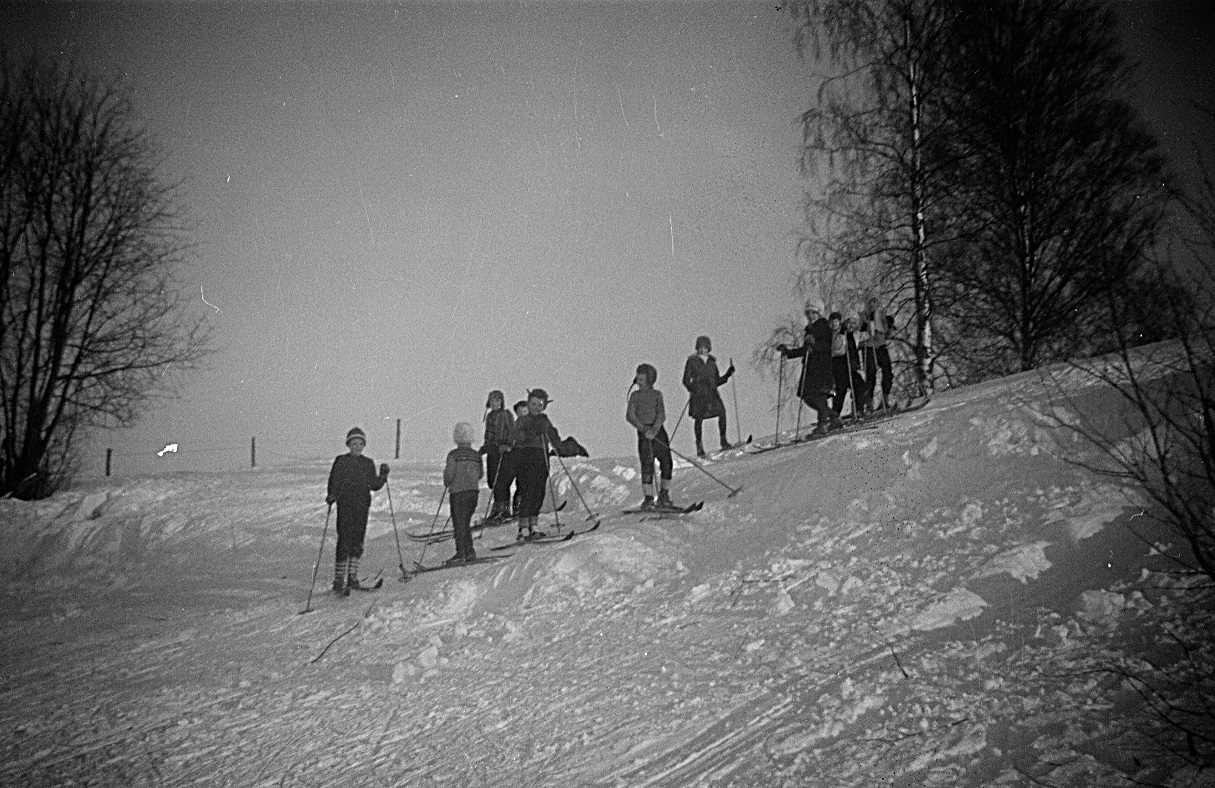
517,443
832,363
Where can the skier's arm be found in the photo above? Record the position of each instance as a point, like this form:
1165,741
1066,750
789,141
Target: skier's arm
630,414
689,375
661,414
449,469
377,481
721,381
331,488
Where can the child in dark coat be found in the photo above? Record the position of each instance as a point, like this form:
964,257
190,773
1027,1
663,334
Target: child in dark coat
646,413
462,477
498,426
816,382
534,434
352,479
701,379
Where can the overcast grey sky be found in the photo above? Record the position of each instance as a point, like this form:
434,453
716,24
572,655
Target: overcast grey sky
400,207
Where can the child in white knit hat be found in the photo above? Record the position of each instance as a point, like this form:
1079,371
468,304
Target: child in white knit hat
462,477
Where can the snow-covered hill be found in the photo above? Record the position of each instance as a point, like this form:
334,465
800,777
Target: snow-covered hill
928,602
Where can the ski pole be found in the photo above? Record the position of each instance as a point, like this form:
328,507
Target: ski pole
801,395
678,420
589,514
732,490
392,514
734,391
780,395
433,523
317,565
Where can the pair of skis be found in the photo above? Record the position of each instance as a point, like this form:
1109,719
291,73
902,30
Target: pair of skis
449,533
856,426
543,538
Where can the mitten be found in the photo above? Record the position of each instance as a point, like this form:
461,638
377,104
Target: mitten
384,469
330,499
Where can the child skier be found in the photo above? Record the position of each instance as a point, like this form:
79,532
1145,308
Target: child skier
646,413
878,325
815,383
498,425
462,477
701,379
352,479
534,433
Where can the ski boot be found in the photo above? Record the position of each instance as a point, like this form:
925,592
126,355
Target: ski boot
647,504
338,587
664,501
455,560
700,449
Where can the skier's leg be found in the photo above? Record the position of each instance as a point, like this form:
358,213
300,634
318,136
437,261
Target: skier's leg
662,448
645,453
698,430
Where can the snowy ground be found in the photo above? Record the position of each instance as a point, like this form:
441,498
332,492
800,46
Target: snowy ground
930,602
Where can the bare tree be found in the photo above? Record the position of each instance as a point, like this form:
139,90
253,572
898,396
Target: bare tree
90,316
875,127
1060,191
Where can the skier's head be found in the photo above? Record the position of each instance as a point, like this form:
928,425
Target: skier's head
356,440
813,309
852,323
646,375
520,408
703,343
496,400
463,434
537,401
835,320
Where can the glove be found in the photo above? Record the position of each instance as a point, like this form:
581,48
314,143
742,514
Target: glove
483,450
730,371
330,499
782,347
651,433
384,469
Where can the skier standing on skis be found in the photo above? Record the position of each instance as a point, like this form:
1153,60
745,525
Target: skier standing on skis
853,339
816,381
352,479
877,324
701,379
646,413
498,425
534,433
462,477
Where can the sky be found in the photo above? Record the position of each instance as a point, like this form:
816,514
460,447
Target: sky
402,206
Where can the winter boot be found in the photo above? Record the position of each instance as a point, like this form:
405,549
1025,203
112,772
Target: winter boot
647,504
664,500
352,572
339,576
700,449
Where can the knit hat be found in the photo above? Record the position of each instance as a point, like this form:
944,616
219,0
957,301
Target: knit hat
815,304
650,372
539,394
836,316
463,433
520,404
356,432
489,401
703,341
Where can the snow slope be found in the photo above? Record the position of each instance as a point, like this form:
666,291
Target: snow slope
927,602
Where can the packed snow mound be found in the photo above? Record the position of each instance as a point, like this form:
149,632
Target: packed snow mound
926,601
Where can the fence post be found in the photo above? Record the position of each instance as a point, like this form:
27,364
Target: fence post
253,452
397,456
108,454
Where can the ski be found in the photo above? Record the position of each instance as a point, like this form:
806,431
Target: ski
543,539
379,583
481,559
448,533
696,507
873,422
489,523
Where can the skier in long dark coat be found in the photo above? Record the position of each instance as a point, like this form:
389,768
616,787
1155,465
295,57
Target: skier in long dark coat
701,379
352,479
533,436
816,382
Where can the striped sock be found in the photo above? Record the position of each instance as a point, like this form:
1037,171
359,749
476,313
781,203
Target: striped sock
339,573
353,571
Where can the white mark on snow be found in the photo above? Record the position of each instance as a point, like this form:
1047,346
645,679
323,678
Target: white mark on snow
169,448
656,115
671,222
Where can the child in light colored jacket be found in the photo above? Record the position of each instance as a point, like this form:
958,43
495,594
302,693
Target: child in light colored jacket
462,477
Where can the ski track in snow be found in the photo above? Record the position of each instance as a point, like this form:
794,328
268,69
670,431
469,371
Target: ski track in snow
921,604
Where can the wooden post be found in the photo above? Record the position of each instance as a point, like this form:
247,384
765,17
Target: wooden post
397,456
109,453
253,452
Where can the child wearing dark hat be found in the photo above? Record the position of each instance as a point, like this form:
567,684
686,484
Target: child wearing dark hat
701,378
646,413
498,425
352,479
534,433
462,477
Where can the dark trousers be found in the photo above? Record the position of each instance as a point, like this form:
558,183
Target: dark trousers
503,479
874,358
721,430
817,400
463,505
531,475
351,529
659,448
841,371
